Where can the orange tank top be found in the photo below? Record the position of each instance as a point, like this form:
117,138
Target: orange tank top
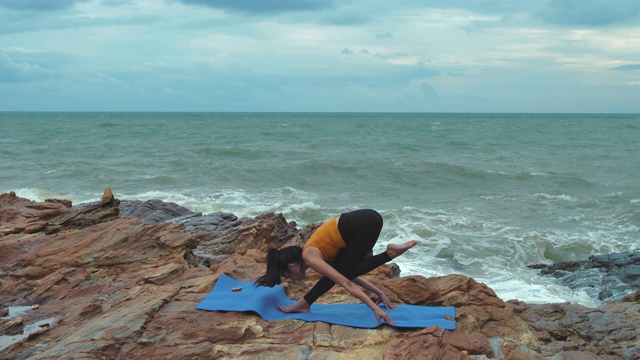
328,239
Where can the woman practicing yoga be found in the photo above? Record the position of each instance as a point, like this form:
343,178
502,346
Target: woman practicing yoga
340,250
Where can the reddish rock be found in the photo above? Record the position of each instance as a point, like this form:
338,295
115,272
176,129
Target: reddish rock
107,197
126,288
423,344
64,202
635,297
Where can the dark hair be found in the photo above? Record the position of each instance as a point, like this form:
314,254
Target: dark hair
277,263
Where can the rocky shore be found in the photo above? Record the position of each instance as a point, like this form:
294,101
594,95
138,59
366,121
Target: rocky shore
121,279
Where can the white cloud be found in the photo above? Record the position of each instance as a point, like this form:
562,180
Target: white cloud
341,56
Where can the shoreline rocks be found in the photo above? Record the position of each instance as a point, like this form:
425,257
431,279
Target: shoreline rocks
120,280
608,277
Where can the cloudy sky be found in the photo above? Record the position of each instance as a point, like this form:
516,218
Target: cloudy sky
320,55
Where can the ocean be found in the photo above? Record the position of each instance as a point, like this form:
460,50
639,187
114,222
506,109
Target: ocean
484,194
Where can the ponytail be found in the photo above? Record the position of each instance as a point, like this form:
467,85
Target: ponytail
277,263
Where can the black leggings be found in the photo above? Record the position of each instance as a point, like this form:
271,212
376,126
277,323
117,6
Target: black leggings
360,230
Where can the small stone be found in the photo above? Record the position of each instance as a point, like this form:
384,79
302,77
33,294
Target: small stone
107,197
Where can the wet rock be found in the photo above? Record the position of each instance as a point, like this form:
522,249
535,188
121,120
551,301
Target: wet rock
209,224
608,277
11,326
153,212
222,235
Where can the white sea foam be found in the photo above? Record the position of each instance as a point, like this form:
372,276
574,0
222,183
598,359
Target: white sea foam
39,194
552,197
508,282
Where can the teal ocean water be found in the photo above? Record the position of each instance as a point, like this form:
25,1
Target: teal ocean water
485,194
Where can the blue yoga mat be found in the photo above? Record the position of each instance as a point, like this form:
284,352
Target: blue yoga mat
264,301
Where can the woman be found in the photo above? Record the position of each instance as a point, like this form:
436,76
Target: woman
340,250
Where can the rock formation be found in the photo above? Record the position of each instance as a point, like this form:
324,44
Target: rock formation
607,277
120,280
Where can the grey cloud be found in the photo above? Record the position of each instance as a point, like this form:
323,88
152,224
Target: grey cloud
44,22
555,12
370,76
263,6
629,67
429,91
488,5
328,12
346,19
14,72
346,51
118,2
454,74
499,7
383,35
390,75
39,5
589,12
396,55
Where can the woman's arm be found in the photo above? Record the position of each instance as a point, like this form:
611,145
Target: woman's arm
382,297
313,259
367,285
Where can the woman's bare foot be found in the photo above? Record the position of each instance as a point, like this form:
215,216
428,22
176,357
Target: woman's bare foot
396,250
300,306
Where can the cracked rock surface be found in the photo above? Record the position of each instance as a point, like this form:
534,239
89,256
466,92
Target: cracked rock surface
120,280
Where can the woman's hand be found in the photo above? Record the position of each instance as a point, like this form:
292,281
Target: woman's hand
382,315
382,298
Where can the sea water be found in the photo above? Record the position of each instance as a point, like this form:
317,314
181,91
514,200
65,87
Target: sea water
484,194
